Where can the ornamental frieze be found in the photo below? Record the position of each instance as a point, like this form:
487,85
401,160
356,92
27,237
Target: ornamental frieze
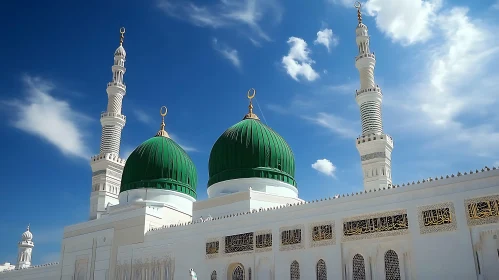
482,210
322,233
373,155
375,225
437,218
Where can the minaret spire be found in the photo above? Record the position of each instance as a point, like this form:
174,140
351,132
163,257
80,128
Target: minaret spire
25,249
107,166
374,146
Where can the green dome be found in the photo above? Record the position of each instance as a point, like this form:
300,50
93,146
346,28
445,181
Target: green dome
160,163
250,149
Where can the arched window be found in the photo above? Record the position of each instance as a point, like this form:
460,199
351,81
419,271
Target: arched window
214,275
321,270
392,267
238,273
295,271
249,273
359,268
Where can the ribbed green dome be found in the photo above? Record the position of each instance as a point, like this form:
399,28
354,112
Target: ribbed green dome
251,149
160,163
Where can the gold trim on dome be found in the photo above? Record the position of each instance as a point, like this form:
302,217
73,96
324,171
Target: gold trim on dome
250,115
162,132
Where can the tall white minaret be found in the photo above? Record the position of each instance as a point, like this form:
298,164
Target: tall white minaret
107,166
374,146
25,250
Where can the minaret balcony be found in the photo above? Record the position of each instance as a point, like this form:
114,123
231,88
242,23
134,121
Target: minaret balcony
369,55
112,115
372,90
118,85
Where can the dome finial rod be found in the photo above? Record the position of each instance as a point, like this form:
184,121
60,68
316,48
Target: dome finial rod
122,37
251,94
358,6
28,226
162,132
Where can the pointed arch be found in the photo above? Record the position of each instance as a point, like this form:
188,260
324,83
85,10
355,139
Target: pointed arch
321,270
392,265
294,271
359,267
214,275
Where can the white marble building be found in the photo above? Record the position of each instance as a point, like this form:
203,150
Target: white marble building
145,221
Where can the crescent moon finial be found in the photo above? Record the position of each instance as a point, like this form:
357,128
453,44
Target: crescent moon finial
251,93
163,111
358,6
162,132
122,37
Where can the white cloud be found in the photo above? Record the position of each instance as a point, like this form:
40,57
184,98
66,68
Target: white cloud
51,119
327,38
297,62
335,124
142,116
495,6
227,52
408,21
226,14
325,167
182,144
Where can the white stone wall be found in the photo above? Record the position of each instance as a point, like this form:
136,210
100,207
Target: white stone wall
454,250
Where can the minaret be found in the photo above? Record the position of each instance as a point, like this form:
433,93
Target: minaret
374,146
107,166
25,250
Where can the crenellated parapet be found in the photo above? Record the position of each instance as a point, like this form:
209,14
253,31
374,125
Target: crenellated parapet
337,198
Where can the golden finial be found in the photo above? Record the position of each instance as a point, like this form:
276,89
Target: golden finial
358,5
162,131
251,95
122,37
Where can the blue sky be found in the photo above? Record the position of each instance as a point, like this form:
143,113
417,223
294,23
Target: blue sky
434,64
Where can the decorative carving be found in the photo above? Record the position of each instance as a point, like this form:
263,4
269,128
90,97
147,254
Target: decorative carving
294,271
239,243
359,267
212,247
214,275
291,238
437,218
322,233
373,155
321,270
263,240
238,273
375,225
392,265
482,210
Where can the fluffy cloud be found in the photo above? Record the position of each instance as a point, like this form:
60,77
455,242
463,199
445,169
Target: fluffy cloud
327,38
142,116
335,124
226,14
227,52
50,118
325,167
297,62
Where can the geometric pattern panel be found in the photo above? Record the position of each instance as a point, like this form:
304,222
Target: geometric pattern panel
359,268
392,265
295,271
321,270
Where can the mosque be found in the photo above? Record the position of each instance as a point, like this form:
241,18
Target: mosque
145,222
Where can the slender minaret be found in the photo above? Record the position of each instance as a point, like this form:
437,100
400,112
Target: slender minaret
374,146
107,166
25,250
